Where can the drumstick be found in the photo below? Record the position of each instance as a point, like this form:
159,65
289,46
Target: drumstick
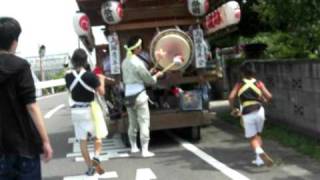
177,60
168,67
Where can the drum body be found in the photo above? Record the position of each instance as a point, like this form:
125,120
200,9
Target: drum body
171,43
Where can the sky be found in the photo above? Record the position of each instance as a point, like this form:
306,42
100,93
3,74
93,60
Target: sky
47,22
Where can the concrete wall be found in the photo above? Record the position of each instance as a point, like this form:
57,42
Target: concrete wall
295,86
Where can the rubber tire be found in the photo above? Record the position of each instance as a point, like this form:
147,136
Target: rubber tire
195,133
217,90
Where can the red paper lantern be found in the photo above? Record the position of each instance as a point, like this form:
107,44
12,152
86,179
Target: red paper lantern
81,24
226,15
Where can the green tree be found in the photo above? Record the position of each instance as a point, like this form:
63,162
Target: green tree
294,27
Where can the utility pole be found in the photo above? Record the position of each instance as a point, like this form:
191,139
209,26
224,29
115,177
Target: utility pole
42,51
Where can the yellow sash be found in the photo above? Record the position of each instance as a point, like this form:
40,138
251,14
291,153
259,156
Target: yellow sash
249,84
249,103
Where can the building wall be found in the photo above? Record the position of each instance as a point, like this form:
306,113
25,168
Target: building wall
295,86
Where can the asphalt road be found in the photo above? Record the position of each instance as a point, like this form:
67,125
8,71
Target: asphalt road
223,153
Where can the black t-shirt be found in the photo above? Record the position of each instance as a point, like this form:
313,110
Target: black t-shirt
79,93
18,134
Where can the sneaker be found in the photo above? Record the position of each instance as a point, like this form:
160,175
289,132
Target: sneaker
90,171
147,154
257,163
135,150
266,159
97,164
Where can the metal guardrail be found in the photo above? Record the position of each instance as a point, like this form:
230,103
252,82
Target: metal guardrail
50,83
50,62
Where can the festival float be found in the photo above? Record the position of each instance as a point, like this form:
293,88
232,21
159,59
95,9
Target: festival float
180,100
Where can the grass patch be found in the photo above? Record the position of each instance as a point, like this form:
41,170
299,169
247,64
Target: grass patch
284,135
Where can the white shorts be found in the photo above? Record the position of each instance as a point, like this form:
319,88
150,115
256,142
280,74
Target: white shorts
81,119
253,122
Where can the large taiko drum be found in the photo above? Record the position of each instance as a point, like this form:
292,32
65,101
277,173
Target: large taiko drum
167,45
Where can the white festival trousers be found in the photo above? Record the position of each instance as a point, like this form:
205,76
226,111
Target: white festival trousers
139,119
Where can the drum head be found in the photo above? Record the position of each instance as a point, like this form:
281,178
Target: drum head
171,43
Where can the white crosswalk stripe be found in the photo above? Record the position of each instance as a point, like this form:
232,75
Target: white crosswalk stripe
107,175
111,148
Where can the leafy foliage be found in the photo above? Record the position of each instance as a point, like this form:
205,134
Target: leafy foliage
281,45
59,75
290,28
294,27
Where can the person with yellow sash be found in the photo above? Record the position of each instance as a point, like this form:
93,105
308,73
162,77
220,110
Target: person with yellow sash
135,75
251,93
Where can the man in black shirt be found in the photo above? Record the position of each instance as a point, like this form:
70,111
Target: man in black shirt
82,86
23,136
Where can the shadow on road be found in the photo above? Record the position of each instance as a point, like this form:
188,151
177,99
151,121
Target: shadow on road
227,145
59,142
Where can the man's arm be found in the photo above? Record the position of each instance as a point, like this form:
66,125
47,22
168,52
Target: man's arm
107,80
101,89
232,96
26,94
146,75
37,118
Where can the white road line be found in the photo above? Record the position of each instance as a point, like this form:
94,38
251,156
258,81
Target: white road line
145,174
51,96
104,141
232,174
115,137
111,148
51,112
76,149
120,151
107,175
110,155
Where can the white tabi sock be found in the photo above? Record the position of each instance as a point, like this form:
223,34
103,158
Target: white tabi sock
258,159
259,150
97,156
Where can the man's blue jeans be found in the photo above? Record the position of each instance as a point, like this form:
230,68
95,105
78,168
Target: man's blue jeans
15,167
